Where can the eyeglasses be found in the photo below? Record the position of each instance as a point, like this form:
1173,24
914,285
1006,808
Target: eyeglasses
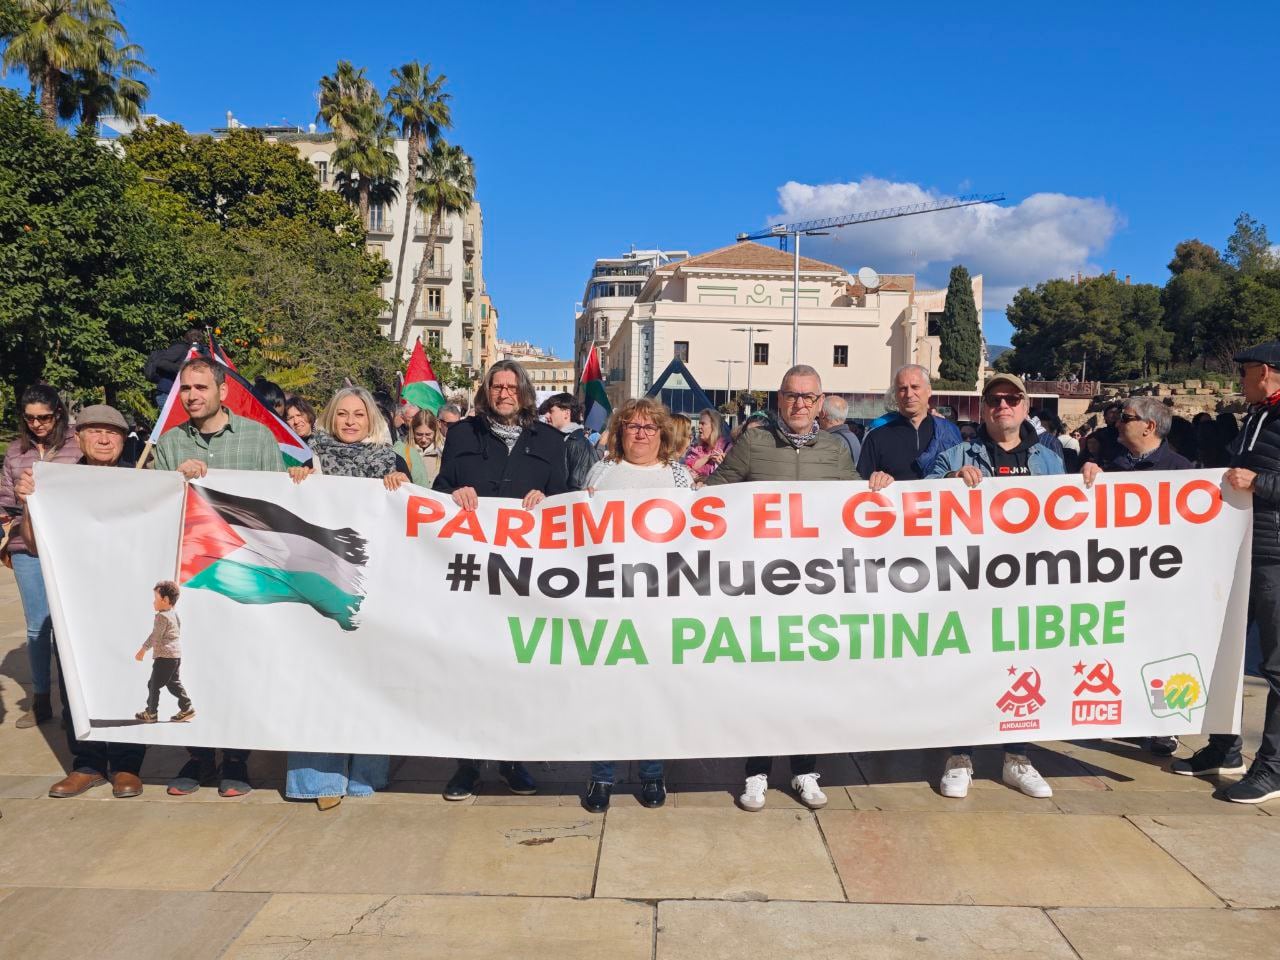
640,429
790,396
39,417
504,388
996,400
1130,418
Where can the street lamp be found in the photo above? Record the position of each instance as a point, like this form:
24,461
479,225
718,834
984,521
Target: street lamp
729,376
751,359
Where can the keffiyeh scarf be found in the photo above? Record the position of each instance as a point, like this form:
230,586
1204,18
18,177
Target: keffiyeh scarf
338,459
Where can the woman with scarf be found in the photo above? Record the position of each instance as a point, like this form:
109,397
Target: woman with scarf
708,450
421,449
351,439
503,450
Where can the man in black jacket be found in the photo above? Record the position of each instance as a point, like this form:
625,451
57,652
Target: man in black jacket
501,451
563,412
162,365
1255,466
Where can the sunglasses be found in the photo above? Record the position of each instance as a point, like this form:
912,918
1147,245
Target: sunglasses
39,417
996,400
1130,418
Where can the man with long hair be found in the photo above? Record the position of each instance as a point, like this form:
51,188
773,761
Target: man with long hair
503,450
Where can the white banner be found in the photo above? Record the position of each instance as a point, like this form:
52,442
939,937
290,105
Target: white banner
753,619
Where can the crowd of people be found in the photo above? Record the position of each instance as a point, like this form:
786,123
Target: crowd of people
503,444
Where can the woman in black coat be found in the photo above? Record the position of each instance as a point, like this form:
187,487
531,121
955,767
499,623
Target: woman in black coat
501,451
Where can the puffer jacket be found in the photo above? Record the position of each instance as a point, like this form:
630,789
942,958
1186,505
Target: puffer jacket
1259,451
15,462
579,457
765,454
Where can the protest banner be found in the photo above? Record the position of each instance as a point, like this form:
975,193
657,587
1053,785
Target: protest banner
760,618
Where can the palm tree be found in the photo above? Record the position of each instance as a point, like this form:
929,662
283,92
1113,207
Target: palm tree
53,42
340,92
112,84
418,103
446,185
367,154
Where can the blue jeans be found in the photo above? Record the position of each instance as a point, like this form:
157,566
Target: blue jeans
602,770
314,775
35,607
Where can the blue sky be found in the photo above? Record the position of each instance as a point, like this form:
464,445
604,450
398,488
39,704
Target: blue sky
1116,130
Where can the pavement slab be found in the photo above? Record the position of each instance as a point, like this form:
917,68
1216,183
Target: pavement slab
336,927
1005,859
924,798
409,848
151,846
725,854
893,768
1169,934
1125,767
71,924
1236,857
1155,803
855,931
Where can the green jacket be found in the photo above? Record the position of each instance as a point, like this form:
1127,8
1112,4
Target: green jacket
765,454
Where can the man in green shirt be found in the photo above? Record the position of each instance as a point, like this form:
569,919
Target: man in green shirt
213,437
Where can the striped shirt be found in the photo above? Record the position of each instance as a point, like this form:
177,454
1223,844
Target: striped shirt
240,445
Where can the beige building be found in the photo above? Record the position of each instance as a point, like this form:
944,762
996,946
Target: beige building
550,376
728,315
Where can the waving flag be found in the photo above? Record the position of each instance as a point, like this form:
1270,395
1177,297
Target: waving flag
420,385
598,407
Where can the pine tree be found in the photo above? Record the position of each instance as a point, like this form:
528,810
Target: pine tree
960,354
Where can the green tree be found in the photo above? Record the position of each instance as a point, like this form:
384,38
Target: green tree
960,350
1195,255
52,42
1248,249
365,138
446,185
421,107
111,83
10,19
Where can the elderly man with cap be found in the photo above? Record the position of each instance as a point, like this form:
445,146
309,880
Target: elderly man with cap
1006,446
101,431
1255,468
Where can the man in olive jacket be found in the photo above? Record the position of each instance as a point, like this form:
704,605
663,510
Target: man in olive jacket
790,447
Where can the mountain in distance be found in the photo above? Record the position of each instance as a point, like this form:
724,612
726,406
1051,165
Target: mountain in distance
994,351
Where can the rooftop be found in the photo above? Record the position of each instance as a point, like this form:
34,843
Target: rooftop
751,256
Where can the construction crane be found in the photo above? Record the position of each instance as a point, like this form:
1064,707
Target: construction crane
818,228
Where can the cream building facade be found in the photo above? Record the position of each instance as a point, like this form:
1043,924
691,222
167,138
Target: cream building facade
727,314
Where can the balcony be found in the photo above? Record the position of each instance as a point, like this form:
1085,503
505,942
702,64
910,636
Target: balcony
434,315
381,226
618,270
468,236
422,228
439,271
469,279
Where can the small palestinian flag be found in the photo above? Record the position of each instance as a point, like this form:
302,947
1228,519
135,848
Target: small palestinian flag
597,405
253,551
240,401
420,385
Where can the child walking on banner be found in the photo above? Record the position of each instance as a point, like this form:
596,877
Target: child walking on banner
166,657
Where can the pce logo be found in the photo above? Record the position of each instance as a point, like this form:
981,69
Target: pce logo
1021,700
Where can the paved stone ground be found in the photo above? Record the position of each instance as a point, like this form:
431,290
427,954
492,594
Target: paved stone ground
1125,861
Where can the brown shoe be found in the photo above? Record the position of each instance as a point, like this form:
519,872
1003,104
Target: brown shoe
125,785
75,783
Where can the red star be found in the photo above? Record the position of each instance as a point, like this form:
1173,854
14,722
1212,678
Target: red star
1013,671
1079,668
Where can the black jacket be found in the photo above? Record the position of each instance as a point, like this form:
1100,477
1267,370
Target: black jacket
1163,457
162,365
1258,449
475,457
579,458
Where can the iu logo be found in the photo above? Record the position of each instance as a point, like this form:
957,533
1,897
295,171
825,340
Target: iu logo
1103,708
1021,700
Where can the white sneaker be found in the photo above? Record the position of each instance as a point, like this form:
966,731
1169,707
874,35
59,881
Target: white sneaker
1021,775
753,795
807,786
956,776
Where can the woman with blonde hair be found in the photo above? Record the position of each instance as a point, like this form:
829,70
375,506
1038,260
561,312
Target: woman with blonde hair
709,448
421,449
642,454
351,439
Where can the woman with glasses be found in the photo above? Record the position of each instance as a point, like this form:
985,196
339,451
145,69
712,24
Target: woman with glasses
45,434
503,450
645,454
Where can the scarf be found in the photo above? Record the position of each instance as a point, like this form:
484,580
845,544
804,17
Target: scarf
507,434
338,459
798,440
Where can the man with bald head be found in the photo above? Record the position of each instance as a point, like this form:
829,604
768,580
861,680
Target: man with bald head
904,447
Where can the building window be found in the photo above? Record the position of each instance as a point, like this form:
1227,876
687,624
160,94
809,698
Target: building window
604,328
484,311
377,216
840,355
433,339
322,171
682,351
761,357
433,299
935,324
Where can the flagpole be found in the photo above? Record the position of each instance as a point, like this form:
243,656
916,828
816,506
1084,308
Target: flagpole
146,455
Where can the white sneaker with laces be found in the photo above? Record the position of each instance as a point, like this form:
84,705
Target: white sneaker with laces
806,785
753,795
1021,775
956,776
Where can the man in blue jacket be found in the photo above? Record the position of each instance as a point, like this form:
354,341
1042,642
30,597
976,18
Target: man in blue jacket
1006,446
906,444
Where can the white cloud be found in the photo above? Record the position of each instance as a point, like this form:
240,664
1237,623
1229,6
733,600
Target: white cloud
1045,235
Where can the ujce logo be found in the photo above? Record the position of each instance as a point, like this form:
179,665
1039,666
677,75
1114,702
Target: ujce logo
1105,707
1175,686
1021,700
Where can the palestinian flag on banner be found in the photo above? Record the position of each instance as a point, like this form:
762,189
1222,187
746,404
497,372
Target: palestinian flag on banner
240,401
597,405
254,551
420,385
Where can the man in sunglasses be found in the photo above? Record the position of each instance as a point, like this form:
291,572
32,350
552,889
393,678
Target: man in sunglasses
789,447
1007,445
1255,467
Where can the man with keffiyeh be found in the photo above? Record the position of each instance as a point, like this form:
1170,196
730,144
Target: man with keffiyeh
1255,467
790,447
